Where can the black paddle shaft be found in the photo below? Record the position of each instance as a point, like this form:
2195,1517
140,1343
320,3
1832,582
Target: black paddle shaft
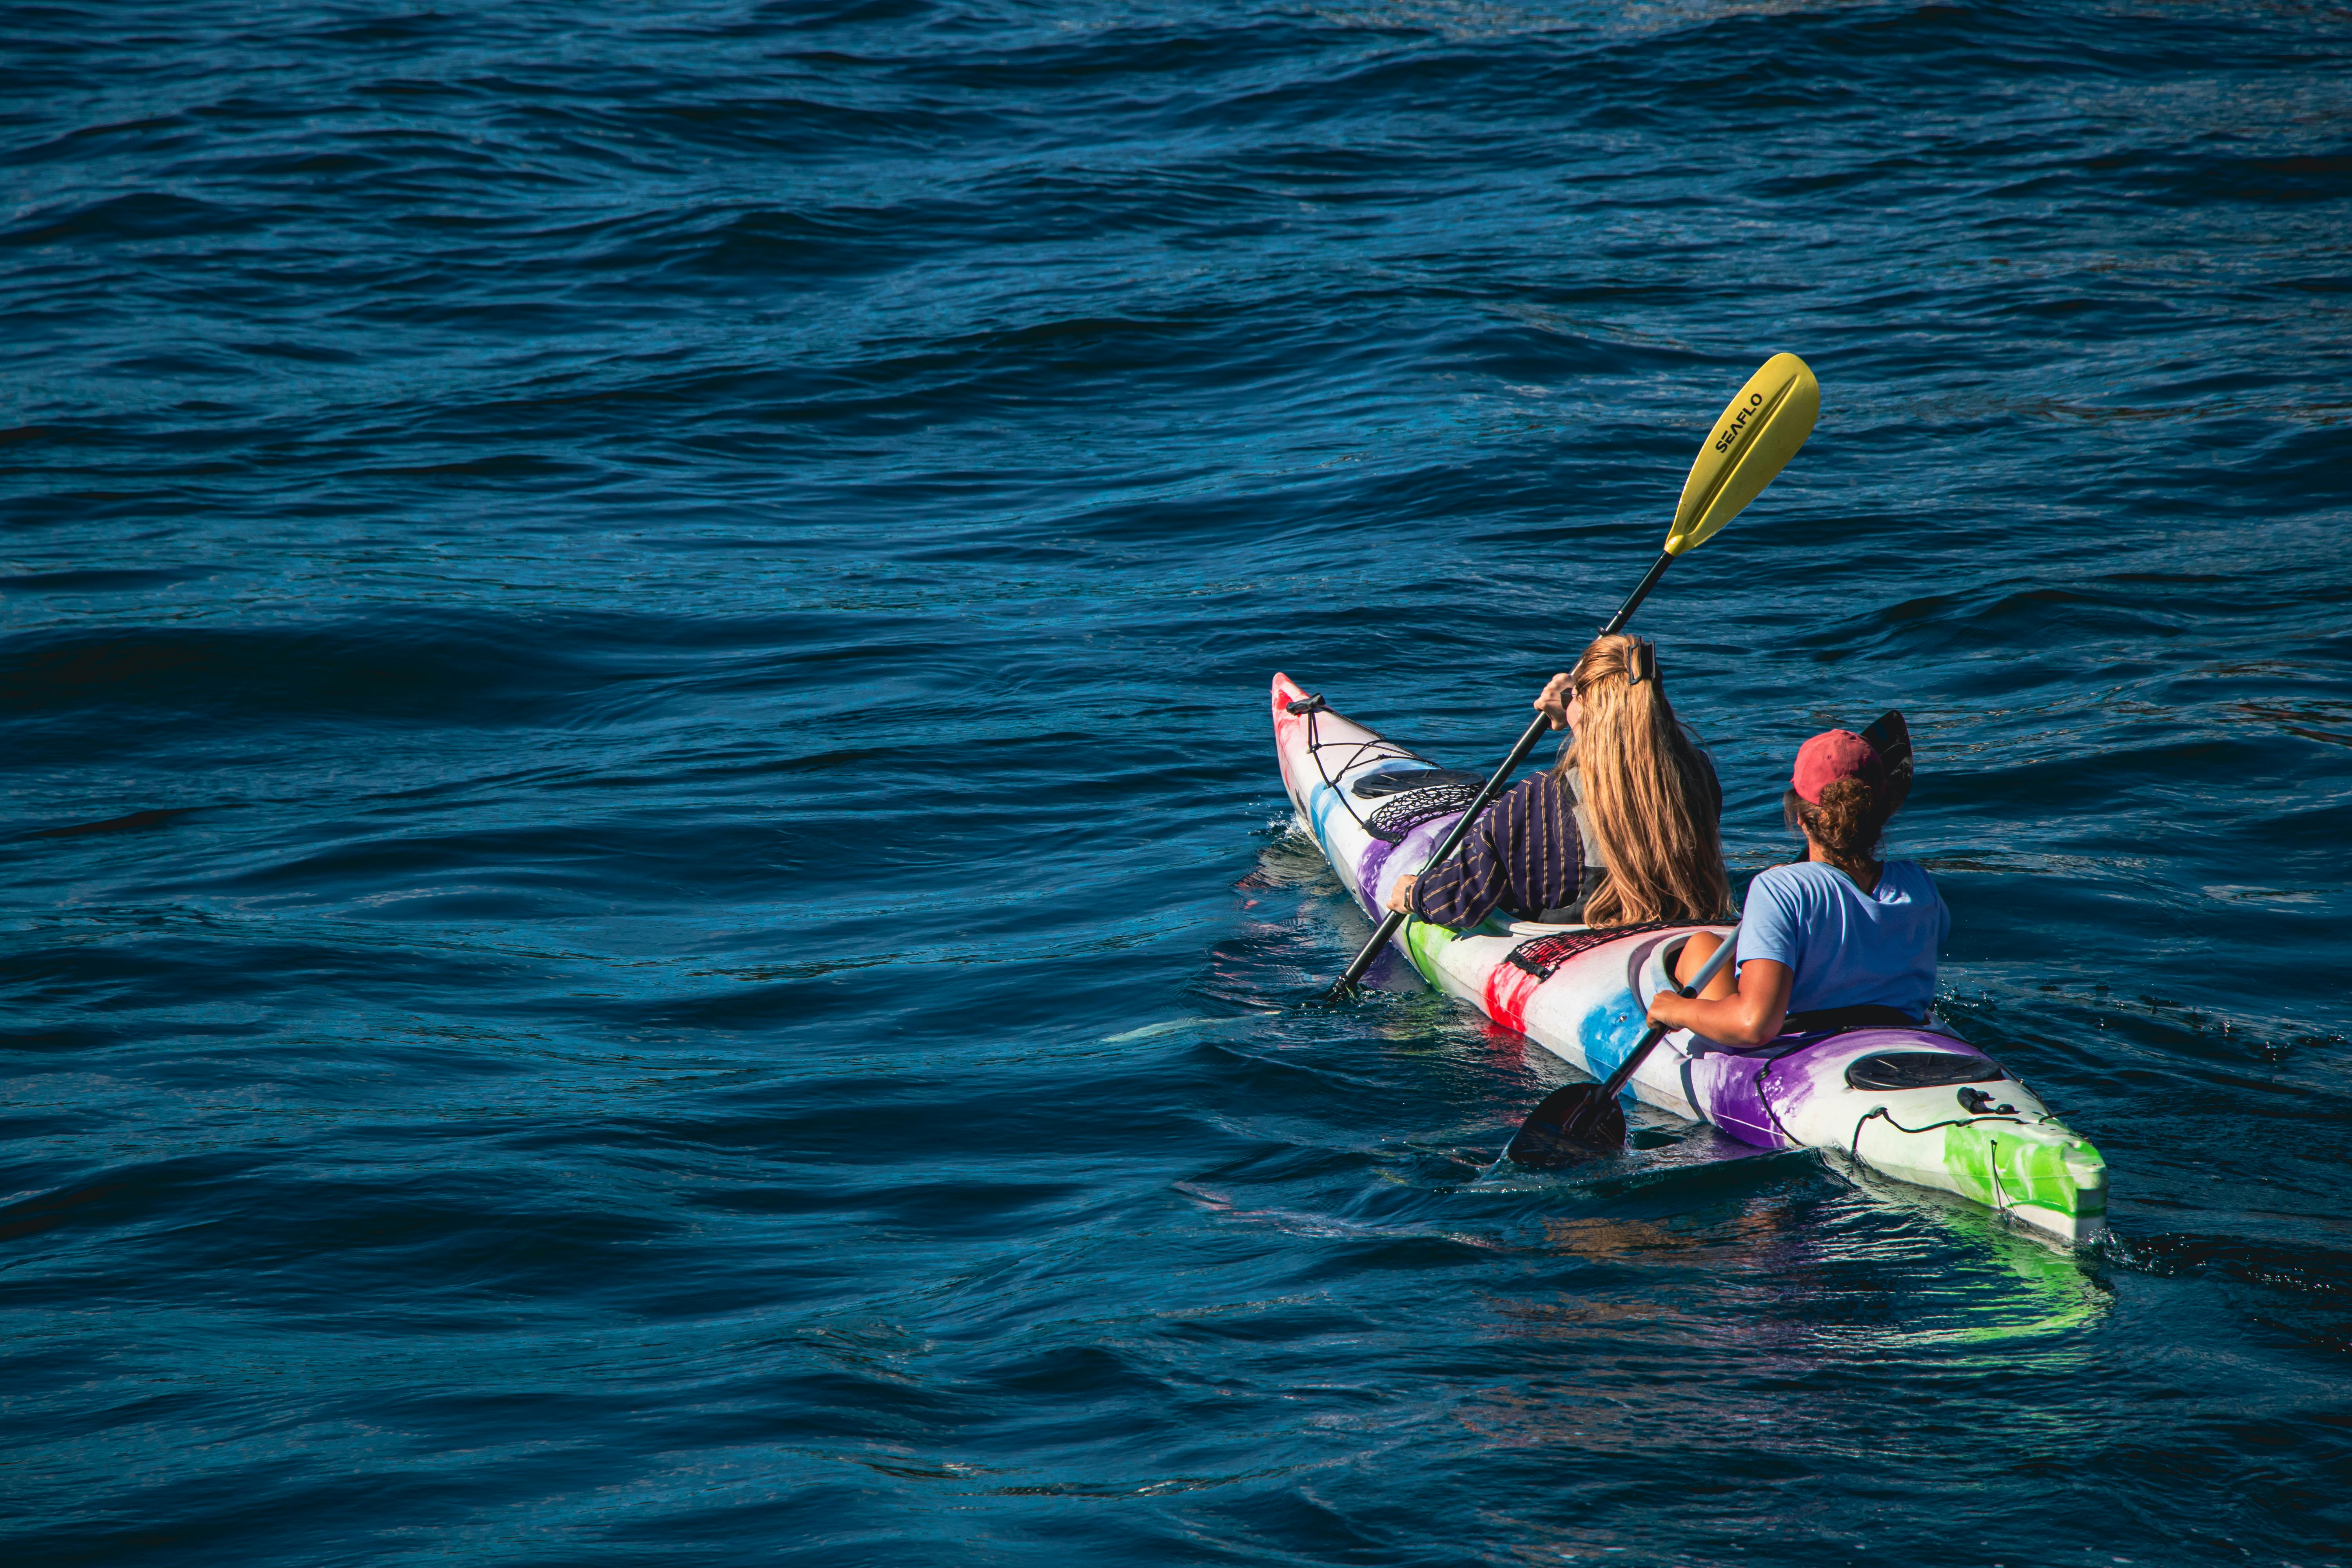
1641,591
1493,787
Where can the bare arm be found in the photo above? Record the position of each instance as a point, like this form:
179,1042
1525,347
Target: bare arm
1693,958
1749,1016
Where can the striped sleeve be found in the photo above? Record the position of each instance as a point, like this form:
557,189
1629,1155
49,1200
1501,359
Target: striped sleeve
1524,856
1551,871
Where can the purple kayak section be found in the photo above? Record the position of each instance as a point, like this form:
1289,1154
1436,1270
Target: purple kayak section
1747,1093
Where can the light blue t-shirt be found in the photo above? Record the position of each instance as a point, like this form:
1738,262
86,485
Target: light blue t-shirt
1847,948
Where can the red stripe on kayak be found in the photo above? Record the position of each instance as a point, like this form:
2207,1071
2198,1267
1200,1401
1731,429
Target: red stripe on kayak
1286,691
1508,990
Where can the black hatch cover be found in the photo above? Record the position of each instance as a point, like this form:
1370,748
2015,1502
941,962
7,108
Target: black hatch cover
1373,786
1919,1069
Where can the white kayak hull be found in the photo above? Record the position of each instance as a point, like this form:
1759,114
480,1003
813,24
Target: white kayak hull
1583,995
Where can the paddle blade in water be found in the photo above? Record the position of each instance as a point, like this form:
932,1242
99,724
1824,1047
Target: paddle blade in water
1759,431
1578,1123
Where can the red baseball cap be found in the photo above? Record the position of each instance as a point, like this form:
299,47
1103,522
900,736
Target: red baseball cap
1832,755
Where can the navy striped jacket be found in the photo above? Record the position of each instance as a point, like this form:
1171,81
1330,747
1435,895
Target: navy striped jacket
1526,856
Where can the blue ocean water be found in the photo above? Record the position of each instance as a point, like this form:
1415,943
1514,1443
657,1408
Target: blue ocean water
649,916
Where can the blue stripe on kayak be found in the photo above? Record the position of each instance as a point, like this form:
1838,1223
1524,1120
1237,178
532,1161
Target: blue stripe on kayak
1319,802
1607,1035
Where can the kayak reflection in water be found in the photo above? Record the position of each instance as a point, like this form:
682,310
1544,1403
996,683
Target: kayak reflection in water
1622,830
1836,939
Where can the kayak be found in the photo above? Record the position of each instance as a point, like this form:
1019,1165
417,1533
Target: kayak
1919,1104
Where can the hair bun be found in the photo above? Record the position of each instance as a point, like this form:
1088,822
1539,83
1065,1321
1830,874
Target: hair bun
1846,821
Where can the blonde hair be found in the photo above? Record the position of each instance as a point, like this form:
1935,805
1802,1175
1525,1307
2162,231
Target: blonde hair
1646,794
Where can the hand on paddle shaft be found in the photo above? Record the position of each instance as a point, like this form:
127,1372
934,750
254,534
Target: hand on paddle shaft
1761,428
1584,1119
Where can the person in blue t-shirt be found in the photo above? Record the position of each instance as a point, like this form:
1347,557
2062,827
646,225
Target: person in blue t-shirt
1838,938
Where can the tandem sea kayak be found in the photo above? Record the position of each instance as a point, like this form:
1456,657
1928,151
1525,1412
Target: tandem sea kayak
1917,1104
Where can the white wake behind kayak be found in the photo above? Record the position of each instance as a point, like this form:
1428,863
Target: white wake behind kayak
1917,1104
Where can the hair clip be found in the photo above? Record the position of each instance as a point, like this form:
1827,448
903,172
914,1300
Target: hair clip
1641,662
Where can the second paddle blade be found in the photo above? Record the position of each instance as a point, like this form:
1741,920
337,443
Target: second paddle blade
1577,1122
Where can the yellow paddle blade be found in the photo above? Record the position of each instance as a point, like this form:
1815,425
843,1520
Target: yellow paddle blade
1760,430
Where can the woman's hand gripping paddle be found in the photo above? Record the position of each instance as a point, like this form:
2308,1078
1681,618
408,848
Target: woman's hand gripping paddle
1584,1119
1760,430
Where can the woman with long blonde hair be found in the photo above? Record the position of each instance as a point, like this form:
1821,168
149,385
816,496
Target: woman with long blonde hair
1622,831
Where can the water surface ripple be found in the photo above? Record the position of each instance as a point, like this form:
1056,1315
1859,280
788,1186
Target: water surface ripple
649,916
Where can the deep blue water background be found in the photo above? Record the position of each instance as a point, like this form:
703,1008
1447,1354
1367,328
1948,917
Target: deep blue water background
713,971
